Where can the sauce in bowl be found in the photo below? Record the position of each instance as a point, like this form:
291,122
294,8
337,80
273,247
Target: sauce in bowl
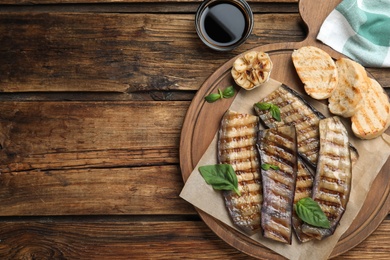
224,24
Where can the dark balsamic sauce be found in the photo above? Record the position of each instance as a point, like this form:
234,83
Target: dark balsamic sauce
224,23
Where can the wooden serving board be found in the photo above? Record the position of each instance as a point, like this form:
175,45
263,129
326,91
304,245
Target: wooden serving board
202,122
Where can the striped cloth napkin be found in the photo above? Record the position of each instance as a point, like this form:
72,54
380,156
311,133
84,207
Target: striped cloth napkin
360,29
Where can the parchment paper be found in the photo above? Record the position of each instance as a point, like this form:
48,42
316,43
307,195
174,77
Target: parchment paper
373,154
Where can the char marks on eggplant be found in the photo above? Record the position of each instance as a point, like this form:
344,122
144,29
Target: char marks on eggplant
277,147
332,183
303,189
296,111
237,147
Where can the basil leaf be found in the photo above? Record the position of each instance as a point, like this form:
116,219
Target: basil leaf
275,112
266,166
228,92
311,213
220,177
274,109
212,97
263,105
220,93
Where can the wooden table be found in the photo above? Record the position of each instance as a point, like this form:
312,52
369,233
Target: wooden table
93,98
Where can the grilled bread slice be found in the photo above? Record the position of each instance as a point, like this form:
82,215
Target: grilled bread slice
373,118
317,71
352,84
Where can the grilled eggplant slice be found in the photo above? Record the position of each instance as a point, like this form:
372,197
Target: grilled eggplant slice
277,148
303,189
296,111
237,147
332,183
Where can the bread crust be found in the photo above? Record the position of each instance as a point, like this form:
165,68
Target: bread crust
373,118
317,71
352,85
350,92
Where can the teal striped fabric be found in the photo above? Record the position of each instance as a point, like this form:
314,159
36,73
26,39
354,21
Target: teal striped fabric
360,29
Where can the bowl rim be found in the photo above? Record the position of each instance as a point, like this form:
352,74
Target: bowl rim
243,5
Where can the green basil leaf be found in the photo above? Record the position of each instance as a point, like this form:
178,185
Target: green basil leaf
222,186
228,92
274,109
220,93
266,166
212,97
311,213
263,105
220,177
275,112
230,174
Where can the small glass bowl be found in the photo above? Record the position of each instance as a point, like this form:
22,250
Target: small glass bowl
246,11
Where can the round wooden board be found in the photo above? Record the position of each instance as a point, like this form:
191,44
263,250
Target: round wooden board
202,122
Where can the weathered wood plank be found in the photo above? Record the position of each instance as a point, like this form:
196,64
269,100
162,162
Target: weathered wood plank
123,240
139,240
145,7
171,95
376,246
20,2
72,158
115,191
71,135
117,52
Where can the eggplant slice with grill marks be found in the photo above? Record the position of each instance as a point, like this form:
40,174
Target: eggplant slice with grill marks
332,183
277,147
237,147
296,111
303,189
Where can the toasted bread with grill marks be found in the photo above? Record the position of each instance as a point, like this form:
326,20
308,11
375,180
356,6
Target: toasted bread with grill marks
373,118
352,84
317,71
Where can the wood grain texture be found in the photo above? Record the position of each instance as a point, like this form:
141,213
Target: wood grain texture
119,240
167,7
121,1
116,53
93,95
116,191
124,239
63,135
195,140
120,52
64,158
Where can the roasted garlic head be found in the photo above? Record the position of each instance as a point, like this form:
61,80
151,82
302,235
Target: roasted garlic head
252,69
